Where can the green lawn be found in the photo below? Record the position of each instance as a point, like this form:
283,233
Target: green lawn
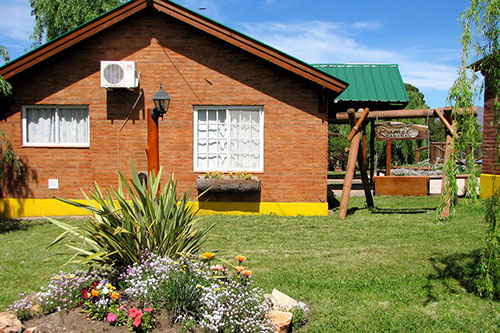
392,270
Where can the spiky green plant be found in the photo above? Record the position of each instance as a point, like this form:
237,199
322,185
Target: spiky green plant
137,217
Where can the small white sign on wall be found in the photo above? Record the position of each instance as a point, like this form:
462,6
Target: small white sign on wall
53,184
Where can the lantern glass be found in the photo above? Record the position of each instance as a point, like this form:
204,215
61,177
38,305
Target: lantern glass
161,100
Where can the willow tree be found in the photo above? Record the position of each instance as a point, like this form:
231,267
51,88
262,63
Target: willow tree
5,87
56,17
480,52
9,160
480,41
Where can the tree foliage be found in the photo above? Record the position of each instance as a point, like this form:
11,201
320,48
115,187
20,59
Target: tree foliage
416,98
5,87
480,42
56,17
402,150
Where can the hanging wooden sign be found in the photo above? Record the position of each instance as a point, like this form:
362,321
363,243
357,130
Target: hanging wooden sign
400,131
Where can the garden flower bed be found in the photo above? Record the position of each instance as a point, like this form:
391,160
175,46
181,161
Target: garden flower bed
141,266
156,293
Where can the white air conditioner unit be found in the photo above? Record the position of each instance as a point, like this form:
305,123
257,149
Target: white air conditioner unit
118,74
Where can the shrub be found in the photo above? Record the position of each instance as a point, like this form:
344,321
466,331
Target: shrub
120,230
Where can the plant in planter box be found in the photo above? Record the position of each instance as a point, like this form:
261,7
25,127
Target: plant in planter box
239,182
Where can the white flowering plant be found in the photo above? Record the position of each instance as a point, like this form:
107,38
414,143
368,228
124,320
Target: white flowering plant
193,290
62,292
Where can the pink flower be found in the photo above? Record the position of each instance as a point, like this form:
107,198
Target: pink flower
148,309
137,321
134,313
218,267
111,317
131,312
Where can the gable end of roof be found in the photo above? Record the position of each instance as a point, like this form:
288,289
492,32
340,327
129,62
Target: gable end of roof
182,14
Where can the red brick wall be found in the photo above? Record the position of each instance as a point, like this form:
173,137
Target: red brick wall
490,152
195,69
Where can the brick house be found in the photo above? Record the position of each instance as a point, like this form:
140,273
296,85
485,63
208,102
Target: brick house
71,132
490,176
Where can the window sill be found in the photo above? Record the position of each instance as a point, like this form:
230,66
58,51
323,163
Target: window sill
34,145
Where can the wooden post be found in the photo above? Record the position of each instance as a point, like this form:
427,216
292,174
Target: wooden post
388,158
433,153
446,122
364,148
349,173
447,154
372,152
364,177
362,158
354,154
355,128
153,149
417,156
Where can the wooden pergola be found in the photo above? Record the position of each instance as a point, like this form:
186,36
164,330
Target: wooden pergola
358,121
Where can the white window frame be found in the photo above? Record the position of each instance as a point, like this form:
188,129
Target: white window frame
228,108
56,120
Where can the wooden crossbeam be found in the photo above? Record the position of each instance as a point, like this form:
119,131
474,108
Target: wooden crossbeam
445,122
356,127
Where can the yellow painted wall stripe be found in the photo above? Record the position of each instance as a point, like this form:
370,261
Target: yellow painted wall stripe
12,208
489,184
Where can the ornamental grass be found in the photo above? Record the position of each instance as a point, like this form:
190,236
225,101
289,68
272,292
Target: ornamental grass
137,216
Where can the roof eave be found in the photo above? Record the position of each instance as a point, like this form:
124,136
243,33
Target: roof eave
69,39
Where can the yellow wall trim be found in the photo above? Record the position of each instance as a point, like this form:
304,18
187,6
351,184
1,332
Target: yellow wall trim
489,184
13,208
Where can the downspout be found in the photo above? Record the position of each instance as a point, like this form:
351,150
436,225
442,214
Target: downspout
125,122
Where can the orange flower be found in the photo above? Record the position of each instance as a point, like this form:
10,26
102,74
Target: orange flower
114,295
94,293
241,258
208,255
240,269
247,273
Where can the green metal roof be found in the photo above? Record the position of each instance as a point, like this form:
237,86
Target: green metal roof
368,82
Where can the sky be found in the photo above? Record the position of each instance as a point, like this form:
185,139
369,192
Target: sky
421,36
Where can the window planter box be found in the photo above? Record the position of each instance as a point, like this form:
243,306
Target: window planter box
228,185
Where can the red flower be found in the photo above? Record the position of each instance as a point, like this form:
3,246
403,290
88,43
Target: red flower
137,321
148,309
85,292
132,313
95,283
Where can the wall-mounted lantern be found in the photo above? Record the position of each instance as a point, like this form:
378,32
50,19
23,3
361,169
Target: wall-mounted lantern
162,102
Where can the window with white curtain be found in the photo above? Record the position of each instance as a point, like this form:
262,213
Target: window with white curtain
228,138
52,126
